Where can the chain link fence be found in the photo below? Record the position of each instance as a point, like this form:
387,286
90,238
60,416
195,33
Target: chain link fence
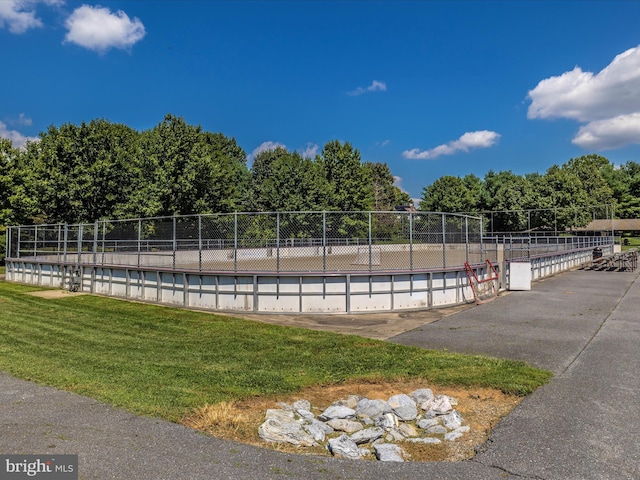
286,242
274,242
549,221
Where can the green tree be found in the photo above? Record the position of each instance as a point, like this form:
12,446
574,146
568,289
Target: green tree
625,184
190,171
386,196
350,187
80,173
7,159
284,181
566,195
449,194
509,196
593,170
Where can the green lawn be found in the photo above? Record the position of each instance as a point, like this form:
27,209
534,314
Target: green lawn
165,361
630,242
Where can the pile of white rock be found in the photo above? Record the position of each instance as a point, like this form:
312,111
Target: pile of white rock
359,427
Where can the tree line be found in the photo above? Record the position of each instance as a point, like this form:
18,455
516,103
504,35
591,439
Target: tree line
103,170
563,196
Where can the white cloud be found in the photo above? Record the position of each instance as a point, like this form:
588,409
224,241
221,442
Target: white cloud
608,102
376,86
468,141
18,140
96,28
263,147
310,151
610,133
20,15
21,120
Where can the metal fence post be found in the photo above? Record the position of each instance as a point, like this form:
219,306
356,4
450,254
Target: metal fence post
466,236
104,233
65,238
482,239
59,242
200,242
139,239
95,243
444,241
175,243
278,242
370,246
235,241
324,241
80,238
35,241
18,241
7,244
410,240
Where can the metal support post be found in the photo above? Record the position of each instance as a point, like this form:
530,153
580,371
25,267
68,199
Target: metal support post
95,243
79,243
200,242
466,236
235,241
444,241
175,244
324,241
370,246
410,241
139,239
277,241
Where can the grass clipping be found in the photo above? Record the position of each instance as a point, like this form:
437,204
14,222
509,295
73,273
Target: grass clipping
481,408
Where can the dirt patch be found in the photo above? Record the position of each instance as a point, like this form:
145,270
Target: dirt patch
53,294
481,408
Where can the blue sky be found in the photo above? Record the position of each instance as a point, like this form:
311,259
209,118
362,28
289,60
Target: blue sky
432,88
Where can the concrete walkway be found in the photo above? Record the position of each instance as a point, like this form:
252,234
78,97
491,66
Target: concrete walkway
584,326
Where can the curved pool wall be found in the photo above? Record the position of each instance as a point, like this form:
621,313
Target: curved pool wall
283,292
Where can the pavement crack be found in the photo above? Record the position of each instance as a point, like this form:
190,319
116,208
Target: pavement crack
510,473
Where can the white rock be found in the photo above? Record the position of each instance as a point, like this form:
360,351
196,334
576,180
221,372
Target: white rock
404,407
371,408
439,405
408,430
288,431
387,421
367,435
344,447
315,431
424,440
394,435
437,429
428,422
344,425
452,420
278,414
451,436
389,452
422,395
337,411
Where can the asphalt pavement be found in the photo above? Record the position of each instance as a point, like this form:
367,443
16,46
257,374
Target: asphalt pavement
582,325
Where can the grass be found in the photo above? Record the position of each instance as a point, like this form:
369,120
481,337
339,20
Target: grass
165,362
633,242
